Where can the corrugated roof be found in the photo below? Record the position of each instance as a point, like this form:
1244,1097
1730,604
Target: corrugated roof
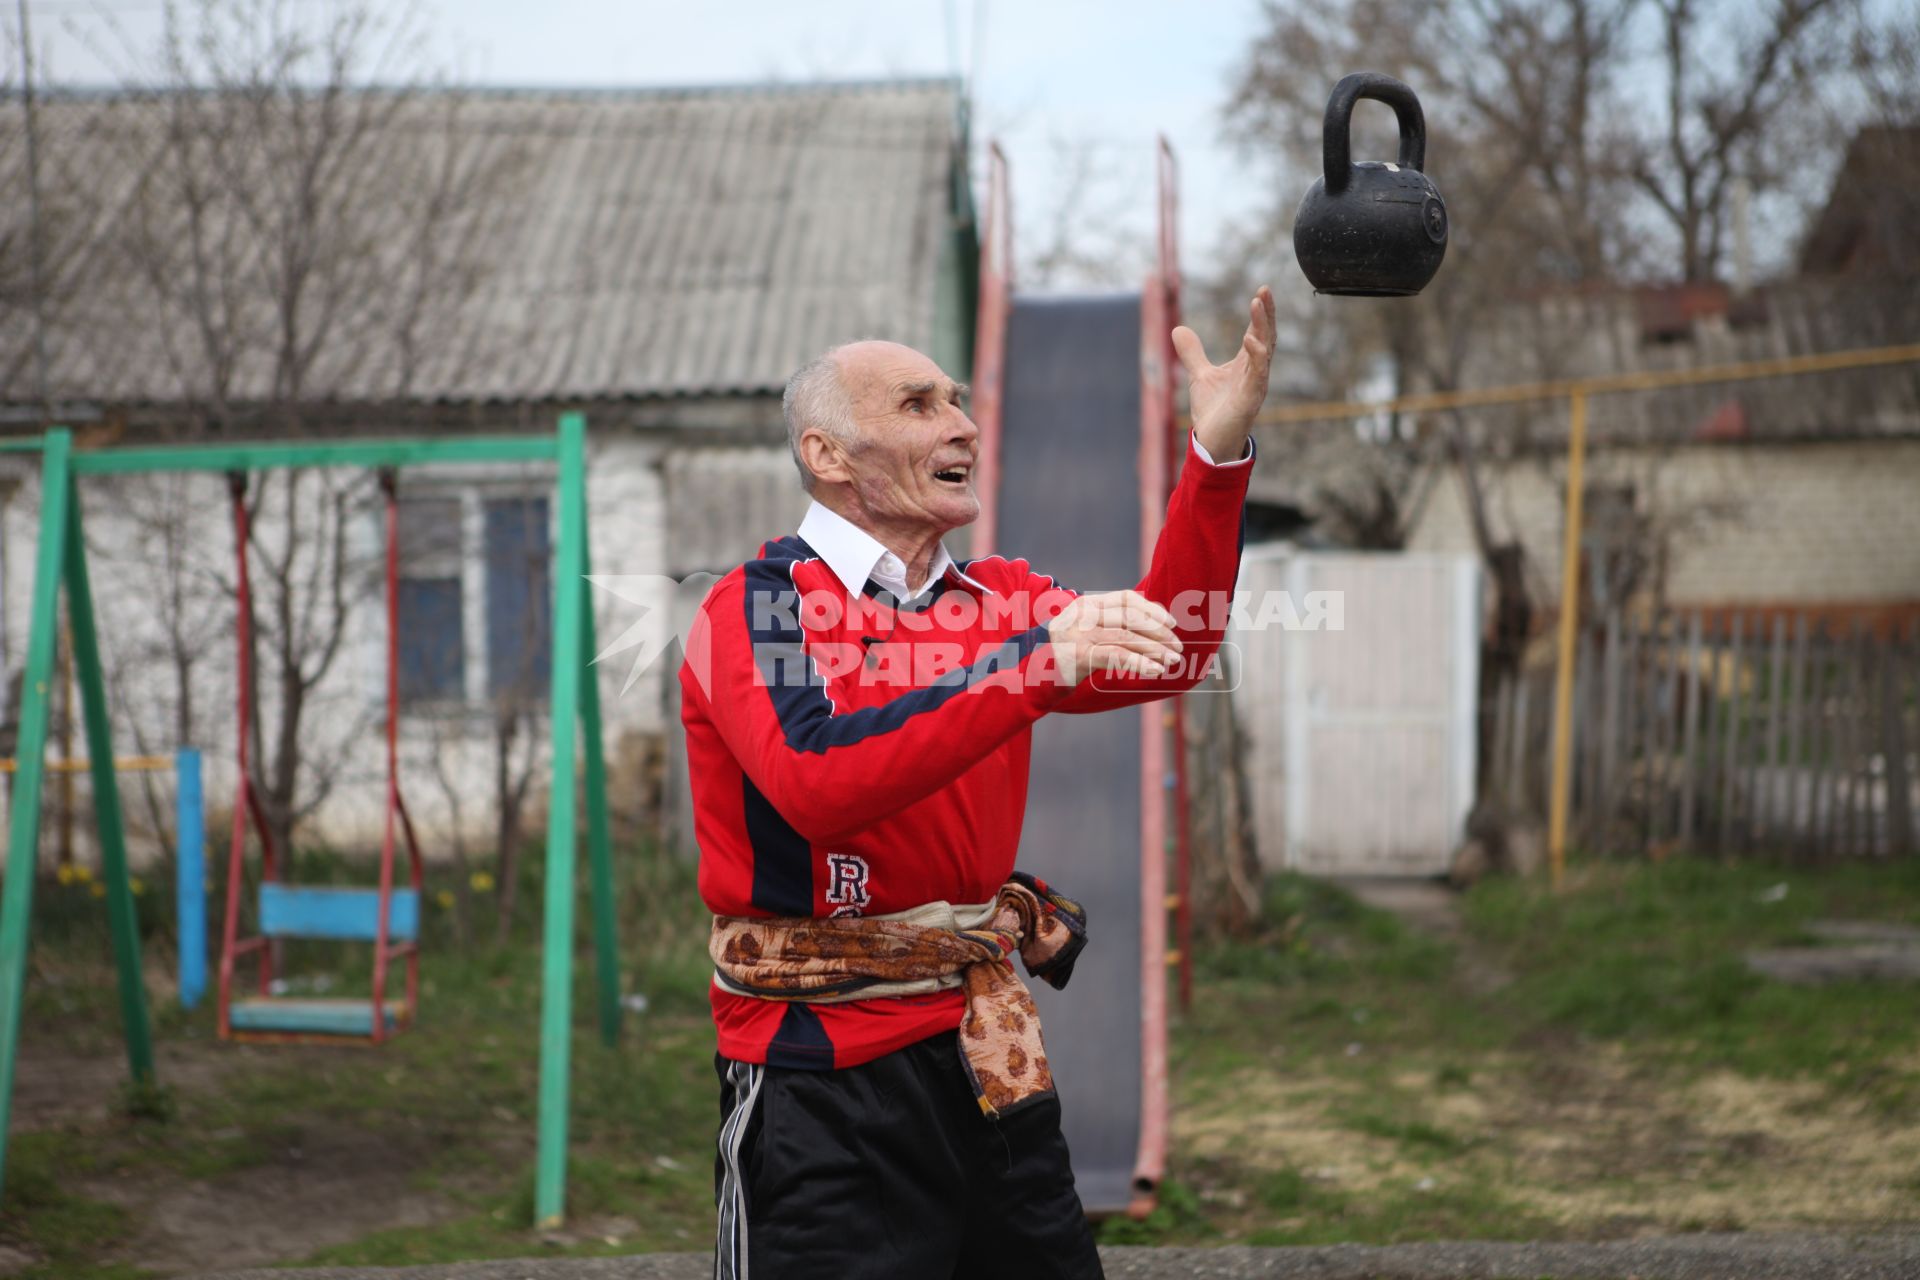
596,244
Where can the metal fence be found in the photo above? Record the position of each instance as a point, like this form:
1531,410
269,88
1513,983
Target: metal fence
1726,731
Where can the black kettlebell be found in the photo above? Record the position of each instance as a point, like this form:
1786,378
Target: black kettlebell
1372,229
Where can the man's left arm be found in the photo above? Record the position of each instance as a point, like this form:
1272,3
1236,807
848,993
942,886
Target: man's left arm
1196,559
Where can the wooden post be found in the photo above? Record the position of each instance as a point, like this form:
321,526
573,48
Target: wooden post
1731,740
1862,807
1767,815
1818,746
1690,733
1893,748
1847,772
1569,620
1668,655
1713,720
1839,744
1750,825
1799,780
1630,743
1611,673
1586,741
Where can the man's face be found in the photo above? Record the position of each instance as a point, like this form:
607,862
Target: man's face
913,462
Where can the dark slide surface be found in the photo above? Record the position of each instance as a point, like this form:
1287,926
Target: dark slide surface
1069,502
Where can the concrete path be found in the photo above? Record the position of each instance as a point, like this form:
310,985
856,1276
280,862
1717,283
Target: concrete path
1892,1256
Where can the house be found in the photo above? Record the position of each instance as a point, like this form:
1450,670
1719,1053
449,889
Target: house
660,260
1777,494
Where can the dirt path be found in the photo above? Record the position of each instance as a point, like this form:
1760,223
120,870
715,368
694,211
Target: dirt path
305,1185
1704,1257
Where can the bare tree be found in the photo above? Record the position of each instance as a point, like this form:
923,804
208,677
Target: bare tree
301,225
187,599
516,750
1087,238
1736,84
1570,163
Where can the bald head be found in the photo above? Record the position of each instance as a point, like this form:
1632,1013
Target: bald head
824,392
880,434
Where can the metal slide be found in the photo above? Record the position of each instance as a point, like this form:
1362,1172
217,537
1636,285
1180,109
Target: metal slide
1069,501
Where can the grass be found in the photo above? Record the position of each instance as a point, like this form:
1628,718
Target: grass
442,1114
1653,956
1335,1079
67,1229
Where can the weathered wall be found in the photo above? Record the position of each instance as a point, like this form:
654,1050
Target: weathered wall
1812,523
142,580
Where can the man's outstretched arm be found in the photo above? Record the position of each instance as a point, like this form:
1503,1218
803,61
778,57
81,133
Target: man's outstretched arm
1196,559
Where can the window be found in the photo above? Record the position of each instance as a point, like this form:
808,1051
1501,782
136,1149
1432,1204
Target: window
432,654
519,598
476,596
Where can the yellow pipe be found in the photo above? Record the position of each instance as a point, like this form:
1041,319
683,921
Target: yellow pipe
123,764
1607,384
1569,623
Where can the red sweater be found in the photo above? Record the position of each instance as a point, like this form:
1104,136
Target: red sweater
849,758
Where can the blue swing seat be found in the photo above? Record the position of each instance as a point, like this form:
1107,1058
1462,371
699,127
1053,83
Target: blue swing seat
305,1015
352,915
335,914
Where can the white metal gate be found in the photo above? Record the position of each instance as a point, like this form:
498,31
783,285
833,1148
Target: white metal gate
1361,739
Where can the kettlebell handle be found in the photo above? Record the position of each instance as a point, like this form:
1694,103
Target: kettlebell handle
1381,88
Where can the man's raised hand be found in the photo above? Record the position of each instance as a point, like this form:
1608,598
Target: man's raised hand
1119,631
1224,398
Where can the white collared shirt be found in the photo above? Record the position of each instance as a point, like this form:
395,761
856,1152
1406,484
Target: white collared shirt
855,555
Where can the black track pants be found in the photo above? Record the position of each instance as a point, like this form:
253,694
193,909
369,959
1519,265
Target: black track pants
888,1171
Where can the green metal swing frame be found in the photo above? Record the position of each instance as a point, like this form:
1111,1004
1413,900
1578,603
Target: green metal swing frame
574,698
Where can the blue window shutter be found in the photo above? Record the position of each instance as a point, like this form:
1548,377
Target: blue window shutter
519,598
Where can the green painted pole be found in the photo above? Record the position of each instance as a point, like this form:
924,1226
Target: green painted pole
606,942
23,834
351,453
556,987
121,920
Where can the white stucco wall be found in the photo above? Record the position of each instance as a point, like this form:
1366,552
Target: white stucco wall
134,574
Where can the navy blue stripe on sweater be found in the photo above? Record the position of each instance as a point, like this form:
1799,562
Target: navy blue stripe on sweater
808,718
782,858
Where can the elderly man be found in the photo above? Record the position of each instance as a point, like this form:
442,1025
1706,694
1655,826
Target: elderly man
858,734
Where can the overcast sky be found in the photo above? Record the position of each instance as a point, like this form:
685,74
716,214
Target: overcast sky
1108,75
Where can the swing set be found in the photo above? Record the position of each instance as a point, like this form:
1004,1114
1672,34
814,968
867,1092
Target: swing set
380,916
386,916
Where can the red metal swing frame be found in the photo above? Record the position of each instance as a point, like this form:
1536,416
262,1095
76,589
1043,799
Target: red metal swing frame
397,822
